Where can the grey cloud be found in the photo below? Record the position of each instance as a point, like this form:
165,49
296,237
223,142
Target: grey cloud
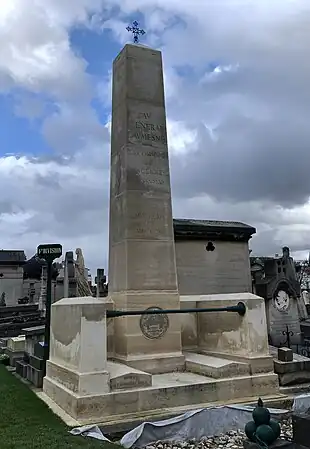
249,161
72,129
259,158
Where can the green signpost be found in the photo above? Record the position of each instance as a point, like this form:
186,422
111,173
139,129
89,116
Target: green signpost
49,253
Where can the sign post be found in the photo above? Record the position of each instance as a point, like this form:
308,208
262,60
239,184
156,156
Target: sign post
49,253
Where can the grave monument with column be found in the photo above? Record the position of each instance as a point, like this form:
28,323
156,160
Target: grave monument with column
159,362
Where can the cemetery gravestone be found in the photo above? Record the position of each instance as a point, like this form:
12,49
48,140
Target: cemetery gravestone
70,282
42,297
282,311
100,281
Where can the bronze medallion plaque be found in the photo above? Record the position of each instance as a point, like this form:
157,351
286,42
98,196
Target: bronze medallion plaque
155,325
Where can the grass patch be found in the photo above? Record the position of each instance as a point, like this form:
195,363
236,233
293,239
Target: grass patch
26,422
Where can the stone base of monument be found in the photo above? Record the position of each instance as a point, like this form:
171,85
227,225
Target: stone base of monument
169,392
230,364
148,343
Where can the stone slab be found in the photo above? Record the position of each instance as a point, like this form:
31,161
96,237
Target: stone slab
35,376
285,354
16,343
213,366
299,363
168,391
36,362
295,389
294,378
35,330
301,425
14,356
21,368
123,377
90,383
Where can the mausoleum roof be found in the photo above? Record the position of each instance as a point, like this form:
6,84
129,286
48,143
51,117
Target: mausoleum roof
12,257
212,230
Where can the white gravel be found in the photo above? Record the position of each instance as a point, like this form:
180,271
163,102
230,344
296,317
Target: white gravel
232,440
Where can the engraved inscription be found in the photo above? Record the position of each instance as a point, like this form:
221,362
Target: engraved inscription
152,224
154,326
148,131
146,153
150,168
128,381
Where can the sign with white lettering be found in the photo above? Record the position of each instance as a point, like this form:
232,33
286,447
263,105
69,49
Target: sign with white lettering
51,251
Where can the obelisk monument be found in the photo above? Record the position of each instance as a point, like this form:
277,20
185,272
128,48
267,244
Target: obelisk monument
142,267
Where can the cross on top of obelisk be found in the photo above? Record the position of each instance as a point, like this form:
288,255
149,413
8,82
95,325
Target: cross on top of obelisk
136,31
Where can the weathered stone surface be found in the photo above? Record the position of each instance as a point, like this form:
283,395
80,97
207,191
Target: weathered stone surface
14,356
285,354
224,270
167,392
21,368
229,333
142,266
214,367
35,376
16,344
78,353
36,362
123,377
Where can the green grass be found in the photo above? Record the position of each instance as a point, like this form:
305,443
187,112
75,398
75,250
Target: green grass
27,423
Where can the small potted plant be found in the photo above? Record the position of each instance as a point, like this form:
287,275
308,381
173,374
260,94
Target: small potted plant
4,359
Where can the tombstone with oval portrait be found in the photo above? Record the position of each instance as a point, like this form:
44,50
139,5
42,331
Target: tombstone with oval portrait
282,311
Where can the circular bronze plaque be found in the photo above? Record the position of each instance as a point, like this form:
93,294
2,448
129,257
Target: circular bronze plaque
155,325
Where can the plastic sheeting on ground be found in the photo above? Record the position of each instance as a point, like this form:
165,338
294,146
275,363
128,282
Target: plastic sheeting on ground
194,424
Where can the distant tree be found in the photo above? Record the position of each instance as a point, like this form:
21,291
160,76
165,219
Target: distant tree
33,268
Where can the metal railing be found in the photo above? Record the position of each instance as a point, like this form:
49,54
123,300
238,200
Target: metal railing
240,308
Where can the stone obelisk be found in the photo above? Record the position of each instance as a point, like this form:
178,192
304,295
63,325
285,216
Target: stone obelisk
142,267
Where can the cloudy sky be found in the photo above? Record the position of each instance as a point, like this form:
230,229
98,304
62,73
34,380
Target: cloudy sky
238,106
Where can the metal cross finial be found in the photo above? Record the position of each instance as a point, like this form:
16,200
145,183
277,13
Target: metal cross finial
136,31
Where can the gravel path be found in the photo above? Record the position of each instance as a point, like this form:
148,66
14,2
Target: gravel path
232,440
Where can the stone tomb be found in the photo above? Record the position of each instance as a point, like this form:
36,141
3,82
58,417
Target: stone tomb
15,349
292,369
11,275
231,361
31,367
212,257
278,284
150,365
